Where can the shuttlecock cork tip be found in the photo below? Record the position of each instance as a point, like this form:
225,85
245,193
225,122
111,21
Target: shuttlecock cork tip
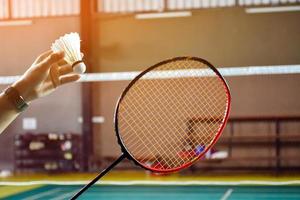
79,67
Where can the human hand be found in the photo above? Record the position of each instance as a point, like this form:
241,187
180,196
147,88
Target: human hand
47,72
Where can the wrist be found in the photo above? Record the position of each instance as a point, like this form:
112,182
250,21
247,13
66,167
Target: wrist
21,87
15,99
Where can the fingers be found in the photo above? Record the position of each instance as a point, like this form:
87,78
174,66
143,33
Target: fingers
46,54
61,74
69,78
54,75
43,56
65,69
62,62
51,59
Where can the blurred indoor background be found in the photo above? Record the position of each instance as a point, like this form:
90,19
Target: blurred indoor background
72,129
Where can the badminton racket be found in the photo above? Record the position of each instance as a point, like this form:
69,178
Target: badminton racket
170,115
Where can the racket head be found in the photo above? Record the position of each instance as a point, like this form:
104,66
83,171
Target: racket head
165,158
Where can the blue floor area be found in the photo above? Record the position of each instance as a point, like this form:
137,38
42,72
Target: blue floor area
164,193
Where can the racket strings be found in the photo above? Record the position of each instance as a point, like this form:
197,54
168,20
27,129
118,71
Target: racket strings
172,163
163,140
155,113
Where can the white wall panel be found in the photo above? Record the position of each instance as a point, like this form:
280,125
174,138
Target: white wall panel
188,4
139,5
197,3
274,2
38,8
3,9
131,5
172,4
44,8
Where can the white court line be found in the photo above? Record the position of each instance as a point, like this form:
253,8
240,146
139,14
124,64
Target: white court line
138,182
42,194
227,194
64,196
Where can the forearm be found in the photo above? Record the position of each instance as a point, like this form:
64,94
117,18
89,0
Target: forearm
8,112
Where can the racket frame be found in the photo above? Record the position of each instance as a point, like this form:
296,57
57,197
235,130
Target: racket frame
123,146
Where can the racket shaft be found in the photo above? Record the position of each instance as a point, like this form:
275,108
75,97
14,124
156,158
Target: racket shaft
103,173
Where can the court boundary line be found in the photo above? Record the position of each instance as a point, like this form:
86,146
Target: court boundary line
139,182
65,195
227,194
43,194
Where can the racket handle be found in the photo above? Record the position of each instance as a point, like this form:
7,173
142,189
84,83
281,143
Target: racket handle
105,171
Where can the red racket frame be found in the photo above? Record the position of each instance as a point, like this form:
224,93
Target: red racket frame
123,146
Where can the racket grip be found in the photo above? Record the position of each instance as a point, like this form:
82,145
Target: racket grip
100,175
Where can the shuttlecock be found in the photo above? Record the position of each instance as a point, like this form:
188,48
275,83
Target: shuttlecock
70,44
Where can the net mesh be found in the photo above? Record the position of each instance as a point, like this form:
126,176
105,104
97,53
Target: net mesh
156,116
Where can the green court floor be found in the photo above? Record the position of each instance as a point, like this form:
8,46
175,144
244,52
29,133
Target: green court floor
51,192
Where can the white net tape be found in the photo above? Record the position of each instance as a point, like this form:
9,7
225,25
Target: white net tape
155,115
227,72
